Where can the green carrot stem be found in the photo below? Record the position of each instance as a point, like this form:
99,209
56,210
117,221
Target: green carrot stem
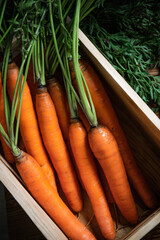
55,40
5,136
86,8
51,50
47,54
4,77
68,82
87,13
57,51
15,149
44,37
60,12
43,65
38,55
8,30
71,97
90,113
89,95
38,61
53,55
82,3
55,63
34,63
2,12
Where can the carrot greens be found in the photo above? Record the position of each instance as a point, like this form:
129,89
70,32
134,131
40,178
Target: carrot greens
87,103
127,34
13,130
70,38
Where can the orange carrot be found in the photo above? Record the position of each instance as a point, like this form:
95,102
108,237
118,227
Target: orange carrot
49,199
29,126
6,150
107,117
31,84
60,102
89,175
59,99
83,119
56,148
21,145
105,185
108,193
105,149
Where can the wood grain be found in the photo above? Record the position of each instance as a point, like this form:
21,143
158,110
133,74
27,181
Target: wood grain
144,227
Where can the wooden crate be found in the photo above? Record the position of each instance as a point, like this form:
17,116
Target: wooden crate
142,128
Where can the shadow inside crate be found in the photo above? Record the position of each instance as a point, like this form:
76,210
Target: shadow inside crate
3,215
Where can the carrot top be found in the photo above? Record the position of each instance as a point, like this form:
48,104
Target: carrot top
86,100
70,50
13,129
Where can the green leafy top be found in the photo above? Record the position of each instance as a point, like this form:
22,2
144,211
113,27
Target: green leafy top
128,36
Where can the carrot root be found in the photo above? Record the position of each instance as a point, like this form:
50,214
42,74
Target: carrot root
29,126
90,179
105,149
56,148
48,198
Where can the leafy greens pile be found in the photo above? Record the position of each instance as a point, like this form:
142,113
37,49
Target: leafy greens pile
127,33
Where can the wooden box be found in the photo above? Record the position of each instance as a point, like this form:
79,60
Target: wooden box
142,128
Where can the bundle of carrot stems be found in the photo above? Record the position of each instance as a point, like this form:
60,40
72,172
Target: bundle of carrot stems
55,116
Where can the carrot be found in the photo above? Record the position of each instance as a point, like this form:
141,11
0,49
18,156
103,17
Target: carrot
49,199
88,172
105,185
84,119
29,126
59,99
60,102
56,148
108,194
105,149
107,117
6,150
21,145
31,84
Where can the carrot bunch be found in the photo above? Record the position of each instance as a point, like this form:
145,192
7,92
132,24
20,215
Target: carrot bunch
107,141
107,117
84,159
104,146
33,171
35,167
101,140
66,131
52,135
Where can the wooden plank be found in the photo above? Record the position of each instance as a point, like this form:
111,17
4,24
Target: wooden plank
144,227
44,223
146,117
